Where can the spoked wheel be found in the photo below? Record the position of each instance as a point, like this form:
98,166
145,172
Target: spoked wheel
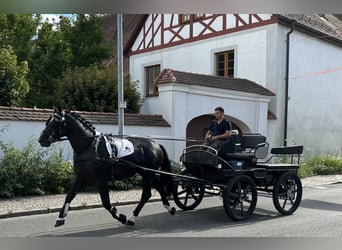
287,193
240,197
186,194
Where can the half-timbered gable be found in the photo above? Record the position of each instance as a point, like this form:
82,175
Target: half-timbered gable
166,30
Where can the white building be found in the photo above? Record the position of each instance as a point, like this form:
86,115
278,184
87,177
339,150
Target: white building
295,59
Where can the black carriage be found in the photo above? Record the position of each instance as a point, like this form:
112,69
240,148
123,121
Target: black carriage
239,173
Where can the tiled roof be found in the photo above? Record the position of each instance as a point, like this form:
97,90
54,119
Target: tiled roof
328,25
236,84
34,114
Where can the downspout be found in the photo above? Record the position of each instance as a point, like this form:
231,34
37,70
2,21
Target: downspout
287,80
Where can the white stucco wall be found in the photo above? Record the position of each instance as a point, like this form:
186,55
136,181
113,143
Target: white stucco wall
199,57
315,107
20,132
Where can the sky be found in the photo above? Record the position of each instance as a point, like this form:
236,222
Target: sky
50,17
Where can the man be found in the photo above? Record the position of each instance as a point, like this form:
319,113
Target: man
219,130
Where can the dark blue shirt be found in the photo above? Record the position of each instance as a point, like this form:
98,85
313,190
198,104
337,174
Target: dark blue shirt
219,129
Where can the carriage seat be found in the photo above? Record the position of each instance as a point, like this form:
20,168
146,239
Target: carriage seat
252,147
292,152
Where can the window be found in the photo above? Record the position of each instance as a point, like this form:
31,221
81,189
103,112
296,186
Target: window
225,63
151,73
197,16
184,18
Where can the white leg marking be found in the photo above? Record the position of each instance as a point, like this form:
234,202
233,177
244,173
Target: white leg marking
168,208
132,218
66,209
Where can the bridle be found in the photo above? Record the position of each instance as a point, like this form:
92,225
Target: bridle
60,118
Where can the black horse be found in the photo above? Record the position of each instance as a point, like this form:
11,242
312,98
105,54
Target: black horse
94,165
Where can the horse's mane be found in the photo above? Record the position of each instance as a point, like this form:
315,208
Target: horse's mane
86,124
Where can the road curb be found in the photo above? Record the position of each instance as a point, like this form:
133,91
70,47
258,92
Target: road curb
76,207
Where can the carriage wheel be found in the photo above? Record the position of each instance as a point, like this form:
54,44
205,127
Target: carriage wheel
287,193
240,197
187,195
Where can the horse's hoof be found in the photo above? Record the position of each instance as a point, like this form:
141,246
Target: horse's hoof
122,218
172,211
59,222
130,223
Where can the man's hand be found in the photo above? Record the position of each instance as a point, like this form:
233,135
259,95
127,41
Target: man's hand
214,138
207,136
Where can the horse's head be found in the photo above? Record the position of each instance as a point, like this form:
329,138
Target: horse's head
55,128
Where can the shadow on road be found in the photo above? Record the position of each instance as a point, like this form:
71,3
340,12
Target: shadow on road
321,205
159,224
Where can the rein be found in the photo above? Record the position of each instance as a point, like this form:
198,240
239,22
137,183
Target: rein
62,139
66,138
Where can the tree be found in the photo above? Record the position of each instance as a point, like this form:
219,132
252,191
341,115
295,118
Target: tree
60,46
13,83
18,30
50,49
87,39
50,56
95,89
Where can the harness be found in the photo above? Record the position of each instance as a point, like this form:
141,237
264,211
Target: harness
118,148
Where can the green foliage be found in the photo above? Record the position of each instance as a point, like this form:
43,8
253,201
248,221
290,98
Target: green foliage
87,39
321,166
32,171
176,167
50,56
18,31
13,83
58,175
95,89
126,184
47,49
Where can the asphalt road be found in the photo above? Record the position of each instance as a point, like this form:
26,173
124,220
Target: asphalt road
319,215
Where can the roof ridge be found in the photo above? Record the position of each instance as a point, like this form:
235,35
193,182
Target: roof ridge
34,109
208,75
31,114
232,83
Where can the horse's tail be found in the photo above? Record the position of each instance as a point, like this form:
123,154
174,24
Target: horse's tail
166,180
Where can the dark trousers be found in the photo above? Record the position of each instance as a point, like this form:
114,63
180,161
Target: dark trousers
214,144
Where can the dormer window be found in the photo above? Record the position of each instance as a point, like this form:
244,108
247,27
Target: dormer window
185,18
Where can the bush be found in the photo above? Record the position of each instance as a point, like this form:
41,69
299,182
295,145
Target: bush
321,166
58,175
32,171
126,184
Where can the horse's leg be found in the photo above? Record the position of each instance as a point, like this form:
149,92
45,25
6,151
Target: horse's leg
160,188
147,179
104,194
76,187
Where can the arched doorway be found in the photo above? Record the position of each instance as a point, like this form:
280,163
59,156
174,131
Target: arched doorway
198,127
